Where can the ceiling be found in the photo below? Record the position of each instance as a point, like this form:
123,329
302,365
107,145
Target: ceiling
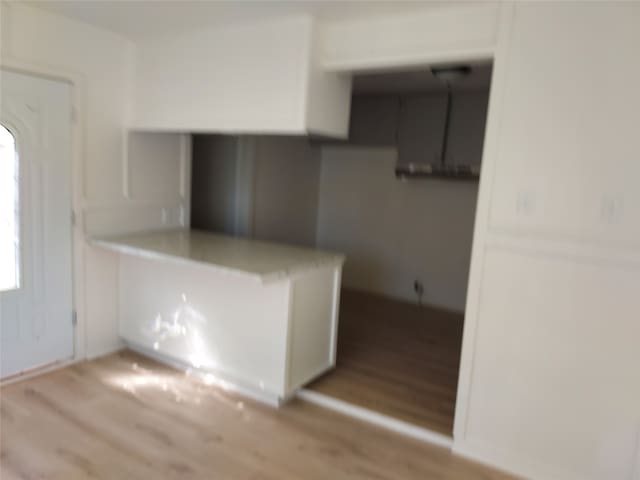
137,19
419,81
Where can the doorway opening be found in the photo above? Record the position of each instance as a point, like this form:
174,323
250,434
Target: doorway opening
407,238
398,198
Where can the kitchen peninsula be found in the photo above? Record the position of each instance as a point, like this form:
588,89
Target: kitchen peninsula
261,316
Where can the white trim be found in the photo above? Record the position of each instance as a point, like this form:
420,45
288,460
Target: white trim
293,389
210,377
78,197
184,180
184,188
384,421
286,379
508,463
126,174
119,204
395,62
104,352
481,222
38,371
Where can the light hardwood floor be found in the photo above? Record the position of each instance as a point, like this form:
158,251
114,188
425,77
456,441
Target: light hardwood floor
398,359
126,417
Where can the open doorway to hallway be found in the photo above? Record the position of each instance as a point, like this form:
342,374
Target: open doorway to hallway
407,238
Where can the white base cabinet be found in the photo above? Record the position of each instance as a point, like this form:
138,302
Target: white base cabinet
266,333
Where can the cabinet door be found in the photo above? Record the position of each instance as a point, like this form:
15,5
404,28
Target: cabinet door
420,128
466,130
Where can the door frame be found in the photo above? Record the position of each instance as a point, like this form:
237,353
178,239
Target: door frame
496,53
78,202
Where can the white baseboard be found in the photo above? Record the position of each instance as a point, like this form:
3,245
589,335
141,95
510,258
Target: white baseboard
384,421
37,371
210,377
509,463
103,352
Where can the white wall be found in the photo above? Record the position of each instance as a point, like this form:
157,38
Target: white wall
548,384
434,35
121,181
98,63
261,77
154,186
328,96
244,77
394,232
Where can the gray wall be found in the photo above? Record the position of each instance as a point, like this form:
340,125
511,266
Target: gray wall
265,187
286,178
467,127
213,183
344,198
394,232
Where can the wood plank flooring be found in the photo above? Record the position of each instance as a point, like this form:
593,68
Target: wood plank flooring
396,358
126,417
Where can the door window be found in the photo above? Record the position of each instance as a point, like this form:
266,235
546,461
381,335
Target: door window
9,223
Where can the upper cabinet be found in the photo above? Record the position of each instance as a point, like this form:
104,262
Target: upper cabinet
290,75
466,130
459,33
421,128
262,77
567,144
414,124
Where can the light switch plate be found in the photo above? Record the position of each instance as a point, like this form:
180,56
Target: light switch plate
526,203
611,208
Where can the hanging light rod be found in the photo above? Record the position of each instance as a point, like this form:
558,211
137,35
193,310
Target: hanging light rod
448,76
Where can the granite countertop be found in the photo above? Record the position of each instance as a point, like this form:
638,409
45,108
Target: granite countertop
263,261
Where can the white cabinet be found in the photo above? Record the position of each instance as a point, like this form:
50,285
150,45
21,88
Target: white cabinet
260,77
422,37
261,316
568,143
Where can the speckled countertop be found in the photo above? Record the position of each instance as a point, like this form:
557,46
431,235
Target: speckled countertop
263,261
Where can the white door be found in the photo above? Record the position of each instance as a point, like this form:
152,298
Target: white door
36,326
